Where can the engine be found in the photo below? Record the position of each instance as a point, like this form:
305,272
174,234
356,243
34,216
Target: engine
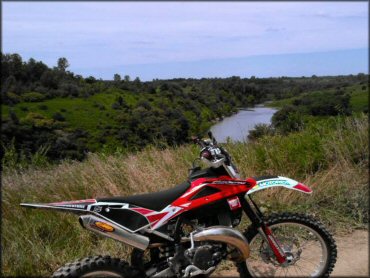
203,259
207,250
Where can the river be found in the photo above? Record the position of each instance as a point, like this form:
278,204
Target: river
237,126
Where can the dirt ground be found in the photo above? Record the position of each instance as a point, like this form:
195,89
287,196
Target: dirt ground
353,256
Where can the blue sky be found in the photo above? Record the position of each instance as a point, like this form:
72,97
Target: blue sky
199,39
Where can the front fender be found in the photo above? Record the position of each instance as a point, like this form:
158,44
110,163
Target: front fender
269,182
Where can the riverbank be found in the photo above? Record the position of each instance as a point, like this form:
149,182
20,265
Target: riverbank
238,126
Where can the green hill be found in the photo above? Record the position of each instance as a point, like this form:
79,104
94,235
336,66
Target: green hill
65,115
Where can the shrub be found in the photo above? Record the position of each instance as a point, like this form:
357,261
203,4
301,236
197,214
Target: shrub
33,97
288,119
260,130
37,120
58,117
13,98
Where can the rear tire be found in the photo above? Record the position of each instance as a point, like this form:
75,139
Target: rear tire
303,221
97,266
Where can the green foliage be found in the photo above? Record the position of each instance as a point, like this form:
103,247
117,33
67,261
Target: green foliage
63,64
33,97
132,114
13,160
297,111
324,103
360,99
261,130
288,119
321,142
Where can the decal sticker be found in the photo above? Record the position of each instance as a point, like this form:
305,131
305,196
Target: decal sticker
279,181
273,182
234,203
230,182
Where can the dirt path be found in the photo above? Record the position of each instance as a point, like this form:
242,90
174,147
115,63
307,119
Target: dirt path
353,256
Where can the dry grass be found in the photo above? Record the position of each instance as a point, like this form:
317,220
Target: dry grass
331,160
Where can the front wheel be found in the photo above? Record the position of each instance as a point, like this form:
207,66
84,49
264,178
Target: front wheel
97,266
308,246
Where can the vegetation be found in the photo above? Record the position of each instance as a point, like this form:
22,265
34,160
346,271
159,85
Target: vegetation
57,110
331,156
297,112
132,137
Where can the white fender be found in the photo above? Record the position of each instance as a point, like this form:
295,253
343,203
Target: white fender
279,181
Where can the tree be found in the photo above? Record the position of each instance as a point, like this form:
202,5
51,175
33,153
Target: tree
117,78
127,78
90,79
62,64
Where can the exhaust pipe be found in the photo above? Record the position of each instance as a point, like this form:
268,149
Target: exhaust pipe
225,235
108,229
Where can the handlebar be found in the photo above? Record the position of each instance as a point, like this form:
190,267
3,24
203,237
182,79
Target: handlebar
205,143
215,155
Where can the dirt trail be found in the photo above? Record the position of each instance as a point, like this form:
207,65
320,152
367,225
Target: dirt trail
353,256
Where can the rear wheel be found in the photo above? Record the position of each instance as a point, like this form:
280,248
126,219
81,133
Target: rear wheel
97,266
310,249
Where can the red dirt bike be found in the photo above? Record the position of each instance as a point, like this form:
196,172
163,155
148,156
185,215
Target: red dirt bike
189,230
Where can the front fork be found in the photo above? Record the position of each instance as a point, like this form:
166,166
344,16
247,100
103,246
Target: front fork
255,215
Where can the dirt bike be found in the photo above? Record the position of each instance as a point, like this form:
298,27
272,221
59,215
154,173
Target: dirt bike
190,230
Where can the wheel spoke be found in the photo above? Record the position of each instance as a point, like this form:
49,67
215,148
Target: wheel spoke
296,239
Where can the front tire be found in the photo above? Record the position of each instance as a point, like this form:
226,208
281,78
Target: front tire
294,232
97,266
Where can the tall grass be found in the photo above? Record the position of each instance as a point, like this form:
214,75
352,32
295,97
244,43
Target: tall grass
331,158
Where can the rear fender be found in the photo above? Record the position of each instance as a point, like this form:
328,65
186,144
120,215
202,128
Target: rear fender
281,182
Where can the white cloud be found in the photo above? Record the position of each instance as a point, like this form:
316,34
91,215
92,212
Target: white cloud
119,33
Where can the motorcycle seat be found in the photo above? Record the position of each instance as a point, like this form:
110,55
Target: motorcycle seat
154,201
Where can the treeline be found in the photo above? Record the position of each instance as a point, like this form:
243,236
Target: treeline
20,79
169,111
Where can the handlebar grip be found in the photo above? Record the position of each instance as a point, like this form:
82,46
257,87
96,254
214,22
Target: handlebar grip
198,141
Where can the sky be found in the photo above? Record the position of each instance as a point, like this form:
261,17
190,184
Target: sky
191,39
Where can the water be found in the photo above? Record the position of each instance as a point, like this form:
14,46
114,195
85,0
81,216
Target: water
237,126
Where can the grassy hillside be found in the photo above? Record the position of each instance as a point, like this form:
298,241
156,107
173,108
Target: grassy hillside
90,114
359,97
331,156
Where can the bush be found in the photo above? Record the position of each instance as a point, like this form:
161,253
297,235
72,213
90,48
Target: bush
288,119
33,97
261,130
58,117
13,98
37,120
